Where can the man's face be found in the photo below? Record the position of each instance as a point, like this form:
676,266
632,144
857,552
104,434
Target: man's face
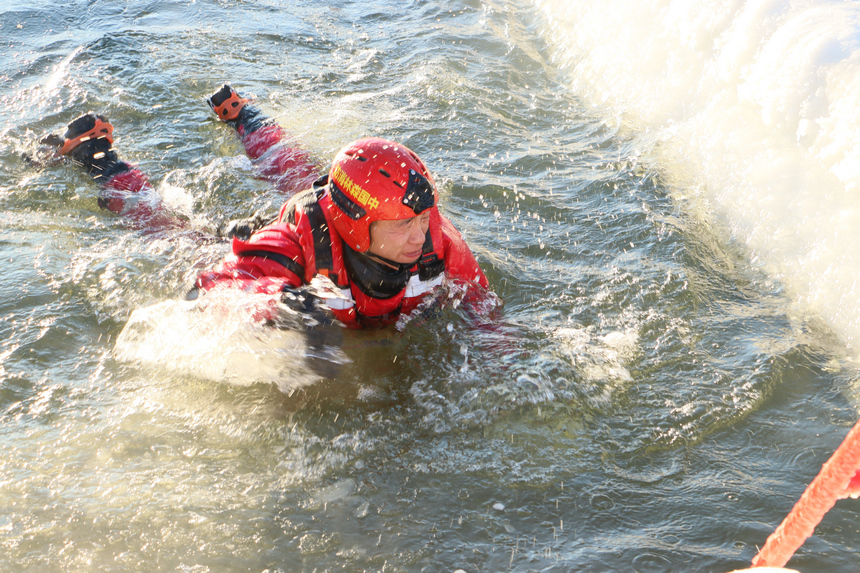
400,241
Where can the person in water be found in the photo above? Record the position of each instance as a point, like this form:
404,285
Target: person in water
371,225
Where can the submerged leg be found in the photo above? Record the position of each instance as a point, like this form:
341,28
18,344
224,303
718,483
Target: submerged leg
125,190
288,167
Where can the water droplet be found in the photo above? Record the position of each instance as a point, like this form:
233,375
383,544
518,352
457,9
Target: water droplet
602,502
651,563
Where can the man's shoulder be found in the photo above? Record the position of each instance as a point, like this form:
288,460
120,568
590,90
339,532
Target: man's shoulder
448,231
274,233
300,204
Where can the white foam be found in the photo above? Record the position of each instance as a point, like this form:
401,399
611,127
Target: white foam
600,359
220,338
758,102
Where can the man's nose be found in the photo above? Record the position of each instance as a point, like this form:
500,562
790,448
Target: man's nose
416,235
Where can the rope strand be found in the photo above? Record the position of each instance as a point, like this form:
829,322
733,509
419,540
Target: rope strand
821,495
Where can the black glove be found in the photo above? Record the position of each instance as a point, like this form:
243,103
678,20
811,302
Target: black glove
242,229
304,311
46,154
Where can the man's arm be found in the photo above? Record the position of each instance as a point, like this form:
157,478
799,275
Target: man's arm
270,260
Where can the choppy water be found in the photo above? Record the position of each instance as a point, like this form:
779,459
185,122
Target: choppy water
667,374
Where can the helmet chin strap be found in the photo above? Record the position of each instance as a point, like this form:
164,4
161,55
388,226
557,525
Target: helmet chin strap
374,277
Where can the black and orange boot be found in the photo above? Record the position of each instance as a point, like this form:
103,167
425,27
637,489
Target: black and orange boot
235,110
89,141
86,128
226,103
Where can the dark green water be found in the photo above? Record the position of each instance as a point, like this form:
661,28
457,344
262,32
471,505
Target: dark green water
647,401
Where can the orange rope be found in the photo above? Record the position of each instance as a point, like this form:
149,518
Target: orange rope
830,485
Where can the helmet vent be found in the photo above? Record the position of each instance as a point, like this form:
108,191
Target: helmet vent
384,172
419,194
349,207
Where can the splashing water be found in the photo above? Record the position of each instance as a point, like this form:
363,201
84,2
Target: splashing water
220,337
754,109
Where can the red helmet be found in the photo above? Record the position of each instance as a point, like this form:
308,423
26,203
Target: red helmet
375,179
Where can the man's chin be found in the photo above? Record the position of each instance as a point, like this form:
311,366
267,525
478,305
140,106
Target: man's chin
404,261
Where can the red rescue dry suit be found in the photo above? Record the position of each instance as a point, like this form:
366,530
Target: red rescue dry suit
302,243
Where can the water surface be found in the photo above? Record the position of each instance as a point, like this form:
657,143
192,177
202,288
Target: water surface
654,395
